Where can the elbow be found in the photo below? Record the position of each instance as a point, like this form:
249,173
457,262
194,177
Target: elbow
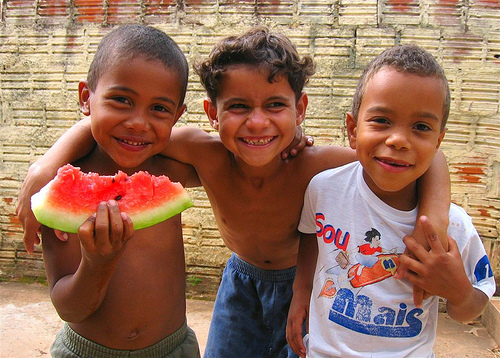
464,317
469,311
69,312
71,315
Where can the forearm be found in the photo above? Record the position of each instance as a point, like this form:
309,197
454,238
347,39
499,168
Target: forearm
468,306
306,264
77,296
298,312
184,144
434,200
72,145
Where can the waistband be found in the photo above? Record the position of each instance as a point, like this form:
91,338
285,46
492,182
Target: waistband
257,273
86,348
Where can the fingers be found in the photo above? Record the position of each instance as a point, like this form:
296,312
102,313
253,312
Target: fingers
86,233
115,223
294,337
102,229
418,296
419,252
107,230
430,234
61,235
31,229
401,270
453,247
30,237
299,142
128,227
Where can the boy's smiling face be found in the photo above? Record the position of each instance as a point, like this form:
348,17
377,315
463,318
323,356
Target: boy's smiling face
398,132
256,119
133,109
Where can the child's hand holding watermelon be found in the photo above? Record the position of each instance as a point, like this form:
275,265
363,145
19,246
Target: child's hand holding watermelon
103,236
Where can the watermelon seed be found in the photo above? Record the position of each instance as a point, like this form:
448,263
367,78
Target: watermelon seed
118,197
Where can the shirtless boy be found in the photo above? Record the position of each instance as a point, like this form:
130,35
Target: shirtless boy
254,83
109,290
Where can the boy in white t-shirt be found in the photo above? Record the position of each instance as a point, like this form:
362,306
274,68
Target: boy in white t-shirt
352,232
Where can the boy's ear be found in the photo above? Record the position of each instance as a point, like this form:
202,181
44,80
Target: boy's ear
351,130
301,108
211,111
440,139
84,97
179,113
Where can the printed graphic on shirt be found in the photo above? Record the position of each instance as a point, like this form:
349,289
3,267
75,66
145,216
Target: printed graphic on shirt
483,269
356,267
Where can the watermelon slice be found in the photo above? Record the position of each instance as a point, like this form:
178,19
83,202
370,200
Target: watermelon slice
72,196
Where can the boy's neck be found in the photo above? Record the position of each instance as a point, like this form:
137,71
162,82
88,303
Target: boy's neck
404,200
100,162
258,174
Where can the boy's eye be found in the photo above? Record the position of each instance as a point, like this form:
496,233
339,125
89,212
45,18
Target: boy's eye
380,120
121,99
422,127
237,106
276,104
160,108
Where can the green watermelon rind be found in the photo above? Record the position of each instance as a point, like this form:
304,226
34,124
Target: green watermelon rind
70,222
154,216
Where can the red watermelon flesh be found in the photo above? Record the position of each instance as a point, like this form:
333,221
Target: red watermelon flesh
72,196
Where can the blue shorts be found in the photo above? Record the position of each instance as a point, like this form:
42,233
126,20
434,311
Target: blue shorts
250,312
180,344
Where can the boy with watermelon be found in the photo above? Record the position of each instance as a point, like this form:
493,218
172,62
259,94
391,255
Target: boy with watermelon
122,293
254,83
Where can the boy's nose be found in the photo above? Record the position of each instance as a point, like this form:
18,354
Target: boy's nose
257,119
137,121
398,140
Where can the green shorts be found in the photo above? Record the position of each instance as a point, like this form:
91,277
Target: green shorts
180,344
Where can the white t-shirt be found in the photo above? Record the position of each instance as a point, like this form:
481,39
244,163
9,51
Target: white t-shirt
357,308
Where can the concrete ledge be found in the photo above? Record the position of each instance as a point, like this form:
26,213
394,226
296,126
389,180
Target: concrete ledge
491,319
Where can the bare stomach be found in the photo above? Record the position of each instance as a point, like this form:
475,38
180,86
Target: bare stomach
266,254
133,328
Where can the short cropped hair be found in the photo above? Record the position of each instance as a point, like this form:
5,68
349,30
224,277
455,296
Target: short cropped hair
408,58
129,41
257,47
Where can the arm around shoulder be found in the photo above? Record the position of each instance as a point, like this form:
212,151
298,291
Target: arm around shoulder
434,189
469,306
443,273
331,156
72,145
190,145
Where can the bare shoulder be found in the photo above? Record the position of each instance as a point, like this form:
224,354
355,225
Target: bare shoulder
176,171
193,135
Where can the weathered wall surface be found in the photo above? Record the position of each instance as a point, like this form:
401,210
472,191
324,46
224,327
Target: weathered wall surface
47,46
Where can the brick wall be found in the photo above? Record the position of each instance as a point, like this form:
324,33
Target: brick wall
47,46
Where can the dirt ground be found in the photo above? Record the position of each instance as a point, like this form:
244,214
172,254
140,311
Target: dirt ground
28,324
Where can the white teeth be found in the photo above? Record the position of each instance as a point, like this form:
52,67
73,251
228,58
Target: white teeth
397,164
132,143
258,141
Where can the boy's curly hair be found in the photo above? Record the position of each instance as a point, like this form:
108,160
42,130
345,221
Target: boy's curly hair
257,47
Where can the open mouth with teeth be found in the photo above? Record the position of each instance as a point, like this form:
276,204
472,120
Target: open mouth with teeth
394,163
132,143
258,141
